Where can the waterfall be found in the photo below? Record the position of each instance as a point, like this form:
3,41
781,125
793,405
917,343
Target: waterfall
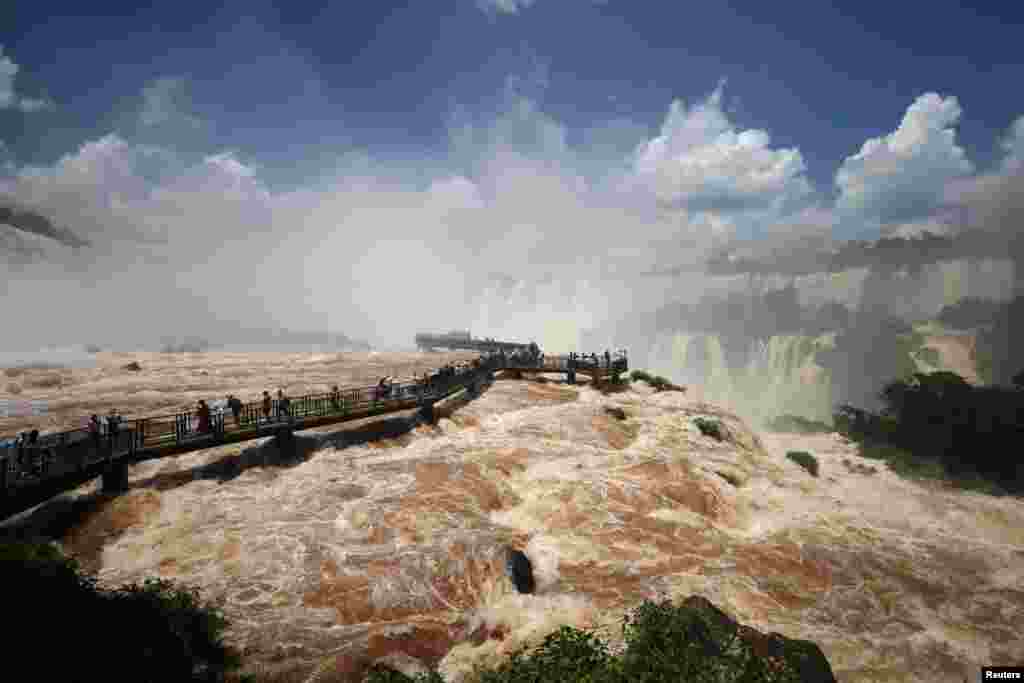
778,375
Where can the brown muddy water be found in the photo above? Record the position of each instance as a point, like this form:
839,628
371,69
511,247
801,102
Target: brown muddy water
384,539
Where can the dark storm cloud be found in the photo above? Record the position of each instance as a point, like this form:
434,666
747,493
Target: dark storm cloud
37,224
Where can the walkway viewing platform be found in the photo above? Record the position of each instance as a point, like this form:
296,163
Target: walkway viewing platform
57,462
463,341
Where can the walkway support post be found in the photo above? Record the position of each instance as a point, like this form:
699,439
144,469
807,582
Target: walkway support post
286,442
115,477
427,412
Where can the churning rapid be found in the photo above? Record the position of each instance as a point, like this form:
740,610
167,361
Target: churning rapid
394,547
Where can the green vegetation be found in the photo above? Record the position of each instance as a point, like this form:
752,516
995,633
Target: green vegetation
984,362
805,460
694,642
66,629
930,356
798,425
382,674
657,382
708,427
907,346
614,384
937,426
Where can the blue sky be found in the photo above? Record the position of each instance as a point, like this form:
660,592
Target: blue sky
276,78
301,105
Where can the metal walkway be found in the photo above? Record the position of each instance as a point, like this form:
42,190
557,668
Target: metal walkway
30,474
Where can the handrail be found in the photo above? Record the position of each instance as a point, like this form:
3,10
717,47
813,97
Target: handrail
178,428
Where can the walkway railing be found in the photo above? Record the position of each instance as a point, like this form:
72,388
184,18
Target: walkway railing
59,453
63,452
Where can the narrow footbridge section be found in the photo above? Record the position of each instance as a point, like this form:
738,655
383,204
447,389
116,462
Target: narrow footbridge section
32,473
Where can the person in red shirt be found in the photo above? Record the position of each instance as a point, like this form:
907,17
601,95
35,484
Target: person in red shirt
203,416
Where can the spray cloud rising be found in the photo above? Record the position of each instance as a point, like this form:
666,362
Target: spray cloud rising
511,231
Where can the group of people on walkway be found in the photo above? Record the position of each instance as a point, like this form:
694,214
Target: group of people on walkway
29,452
104,433
113,427
600,360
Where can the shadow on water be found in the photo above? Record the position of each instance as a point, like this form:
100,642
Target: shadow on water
57,516
269,453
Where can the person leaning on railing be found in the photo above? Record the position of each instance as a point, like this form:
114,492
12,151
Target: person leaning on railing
94,431
202,417
113,420
266,406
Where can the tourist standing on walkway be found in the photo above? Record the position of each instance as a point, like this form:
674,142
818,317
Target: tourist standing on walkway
284,405
235,404
266,406
203,417
335,398
112,426
94,431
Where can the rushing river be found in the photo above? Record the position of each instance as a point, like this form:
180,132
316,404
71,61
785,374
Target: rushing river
386,542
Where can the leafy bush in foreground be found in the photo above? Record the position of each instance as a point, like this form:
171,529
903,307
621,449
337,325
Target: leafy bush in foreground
72,631
694,642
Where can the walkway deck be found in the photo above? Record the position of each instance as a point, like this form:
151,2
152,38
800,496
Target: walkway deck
65,460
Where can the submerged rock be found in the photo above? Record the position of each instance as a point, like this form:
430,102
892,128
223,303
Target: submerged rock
519,570
616,412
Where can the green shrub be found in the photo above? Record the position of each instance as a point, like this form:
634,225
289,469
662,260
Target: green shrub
383,674
930,356
568,654
805,460
694,642
984,363
657,382
906,464
712,428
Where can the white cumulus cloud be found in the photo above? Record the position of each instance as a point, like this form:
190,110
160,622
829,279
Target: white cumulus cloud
1013,144
903,176
702,160
503,6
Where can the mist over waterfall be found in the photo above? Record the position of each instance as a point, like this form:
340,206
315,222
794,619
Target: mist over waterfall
777,376
765,346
